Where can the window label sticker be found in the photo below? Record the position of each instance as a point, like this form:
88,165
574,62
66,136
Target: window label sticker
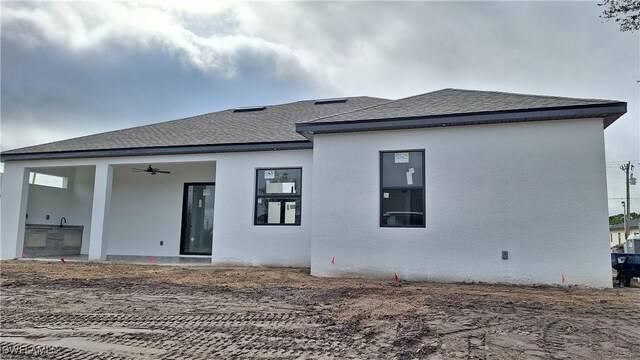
288,188
206,192
273,188
269,174
401,157
385,195
410,177
273,214
281,188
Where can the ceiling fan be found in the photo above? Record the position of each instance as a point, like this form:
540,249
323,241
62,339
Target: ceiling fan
151,170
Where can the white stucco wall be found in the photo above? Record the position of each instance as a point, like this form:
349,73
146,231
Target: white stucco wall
146,209
537,190
235,238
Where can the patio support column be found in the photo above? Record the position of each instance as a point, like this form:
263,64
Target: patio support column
15,190
100,212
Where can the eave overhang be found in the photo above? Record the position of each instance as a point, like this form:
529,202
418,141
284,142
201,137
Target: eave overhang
608,112
165,150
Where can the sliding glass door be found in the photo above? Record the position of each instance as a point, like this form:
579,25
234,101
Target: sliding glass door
197,219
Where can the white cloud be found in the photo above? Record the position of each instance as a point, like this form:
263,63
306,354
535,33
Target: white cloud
335,48
92,27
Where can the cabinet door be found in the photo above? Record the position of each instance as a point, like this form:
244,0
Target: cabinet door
35,238
72,239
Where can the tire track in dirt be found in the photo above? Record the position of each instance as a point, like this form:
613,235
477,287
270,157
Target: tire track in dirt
21,350
281,313
281,335
553,342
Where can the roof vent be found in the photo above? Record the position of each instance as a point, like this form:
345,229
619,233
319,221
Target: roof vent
249,108
331,101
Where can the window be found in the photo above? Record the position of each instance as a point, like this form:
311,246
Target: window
48,180
402,198
278,196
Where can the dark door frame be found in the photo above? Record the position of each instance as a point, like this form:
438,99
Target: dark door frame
183,228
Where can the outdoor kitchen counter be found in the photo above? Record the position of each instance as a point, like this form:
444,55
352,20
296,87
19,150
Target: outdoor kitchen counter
52,240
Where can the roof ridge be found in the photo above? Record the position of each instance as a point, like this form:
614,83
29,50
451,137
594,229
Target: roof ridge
347,112
528,95
188,118
335,97
373,106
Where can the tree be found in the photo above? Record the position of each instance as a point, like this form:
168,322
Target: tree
619,219
625,12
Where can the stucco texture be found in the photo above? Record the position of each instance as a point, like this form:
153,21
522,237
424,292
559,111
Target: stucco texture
536,190
236,239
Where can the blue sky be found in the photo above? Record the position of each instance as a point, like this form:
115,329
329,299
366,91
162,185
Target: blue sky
71,69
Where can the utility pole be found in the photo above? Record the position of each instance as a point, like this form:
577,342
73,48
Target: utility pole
624,227
627,211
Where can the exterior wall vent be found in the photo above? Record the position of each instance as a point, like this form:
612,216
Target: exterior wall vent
330,101
249,108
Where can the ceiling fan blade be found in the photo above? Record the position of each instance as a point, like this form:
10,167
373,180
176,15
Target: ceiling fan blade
151,170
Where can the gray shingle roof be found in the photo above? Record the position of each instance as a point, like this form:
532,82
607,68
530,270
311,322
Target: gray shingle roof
456,101
262,130
274,124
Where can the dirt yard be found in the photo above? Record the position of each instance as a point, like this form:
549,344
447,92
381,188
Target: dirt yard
125,311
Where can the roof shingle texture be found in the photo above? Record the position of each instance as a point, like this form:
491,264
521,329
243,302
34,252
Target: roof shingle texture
274,124
456,101
277,122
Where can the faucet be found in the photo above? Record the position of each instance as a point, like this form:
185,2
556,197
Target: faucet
63,219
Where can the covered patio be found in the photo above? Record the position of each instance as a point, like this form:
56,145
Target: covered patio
116,210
